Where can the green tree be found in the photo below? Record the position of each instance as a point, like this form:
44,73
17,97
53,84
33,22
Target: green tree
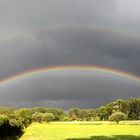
25,116
10,128
74,113
58,113
47,117
116,117
65,119
103,113
134,108
37,117
40,109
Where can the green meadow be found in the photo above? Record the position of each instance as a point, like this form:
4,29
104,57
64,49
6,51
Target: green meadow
83,131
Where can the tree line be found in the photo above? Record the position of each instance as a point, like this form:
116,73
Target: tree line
13,121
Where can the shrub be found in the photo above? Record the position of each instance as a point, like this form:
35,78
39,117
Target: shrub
47,117
37,117
65,119
25,116
116,117
97,118
9,127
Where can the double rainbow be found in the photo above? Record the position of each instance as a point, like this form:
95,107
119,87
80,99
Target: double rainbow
105,70
57,28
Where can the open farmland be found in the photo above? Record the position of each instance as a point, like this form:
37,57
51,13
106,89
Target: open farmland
83,131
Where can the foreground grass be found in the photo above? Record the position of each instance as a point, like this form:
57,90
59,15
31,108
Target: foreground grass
82,131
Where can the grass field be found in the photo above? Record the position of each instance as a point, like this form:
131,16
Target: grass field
82,131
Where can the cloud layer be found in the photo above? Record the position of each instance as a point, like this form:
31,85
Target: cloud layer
42,33
68,89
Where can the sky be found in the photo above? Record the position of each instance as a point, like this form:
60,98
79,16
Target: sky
45,33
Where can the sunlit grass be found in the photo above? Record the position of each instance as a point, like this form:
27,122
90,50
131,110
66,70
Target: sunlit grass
82,130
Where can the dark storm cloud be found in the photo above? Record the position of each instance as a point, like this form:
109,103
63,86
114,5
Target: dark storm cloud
68,89
69,47
68,32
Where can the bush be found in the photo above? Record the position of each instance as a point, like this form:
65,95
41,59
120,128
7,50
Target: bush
65,119
97,118
10,127
25,116
37,117
58,113
47,117
116,117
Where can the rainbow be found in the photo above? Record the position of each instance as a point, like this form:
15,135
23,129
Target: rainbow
57,28
87,68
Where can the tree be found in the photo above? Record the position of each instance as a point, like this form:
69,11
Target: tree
74,113
58,113
40,109
134,108
116,117
24,115
10,128
65,119
6,110
97,118
37,117
103,113
47,117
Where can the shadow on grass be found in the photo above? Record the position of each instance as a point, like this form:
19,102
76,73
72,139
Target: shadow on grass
114,137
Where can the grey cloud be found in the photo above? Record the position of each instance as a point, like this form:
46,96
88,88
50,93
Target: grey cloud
69,47
26,15
68,88
68,32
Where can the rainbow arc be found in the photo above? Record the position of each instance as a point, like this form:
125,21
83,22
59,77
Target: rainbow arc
98,69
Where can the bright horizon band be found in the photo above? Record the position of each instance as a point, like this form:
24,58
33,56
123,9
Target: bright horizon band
93,68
